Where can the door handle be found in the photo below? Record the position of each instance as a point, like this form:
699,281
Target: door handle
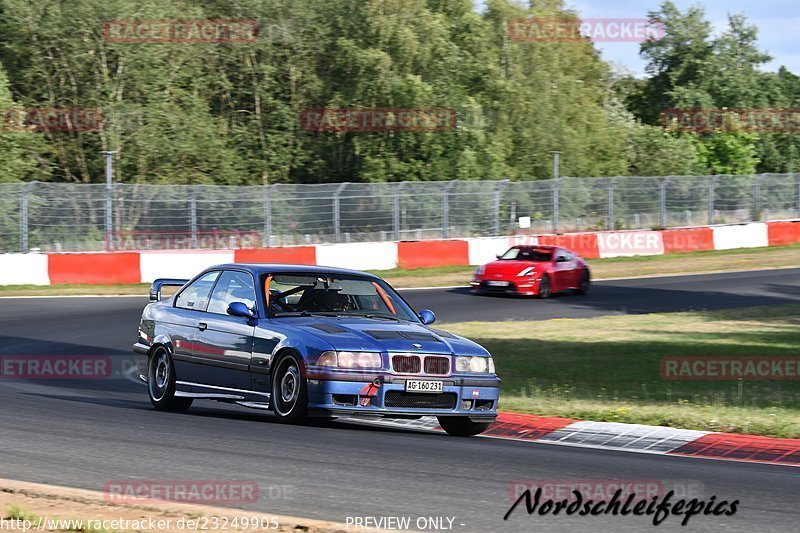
202,326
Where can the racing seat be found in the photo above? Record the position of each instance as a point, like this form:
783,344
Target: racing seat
322,301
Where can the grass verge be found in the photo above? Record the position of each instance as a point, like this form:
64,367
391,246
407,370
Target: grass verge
618,267
607,368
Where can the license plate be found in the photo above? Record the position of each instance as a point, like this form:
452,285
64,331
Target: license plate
497,283
424,386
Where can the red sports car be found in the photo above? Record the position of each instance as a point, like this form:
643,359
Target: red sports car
533,271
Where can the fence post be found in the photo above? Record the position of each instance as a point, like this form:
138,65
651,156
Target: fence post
446,209
445,212
662,200
711,181
23,217
396,210
109,224
193,215
267,231
266,240
610,209
756,214
337,221
556,184
108,220
496,206
797,179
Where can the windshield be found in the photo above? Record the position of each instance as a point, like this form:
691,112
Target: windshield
527,254
323,294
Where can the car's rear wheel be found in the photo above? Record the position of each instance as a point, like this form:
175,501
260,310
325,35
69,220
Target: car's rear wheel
161,382
462,426
585,282
289,391
545,289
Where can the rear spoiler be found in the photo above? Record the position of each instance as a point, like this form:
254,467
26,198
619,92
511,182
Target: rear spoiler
155,288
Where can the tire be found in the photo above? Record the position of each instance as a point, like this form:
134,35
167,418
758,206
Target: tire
289,398
585,283
161,382
545,288
462,426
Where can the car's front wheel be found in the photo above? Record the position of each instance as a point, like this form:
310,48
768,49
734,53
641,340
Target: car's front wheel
545,289
289,391
161,382
462,426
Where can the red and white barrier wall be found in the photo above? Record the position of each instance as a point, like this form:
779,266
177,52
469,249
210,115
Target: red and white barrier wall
145,266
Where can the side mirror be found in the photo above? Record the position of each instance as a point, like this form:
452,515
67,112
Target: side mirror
561,259
427,316
240,309
498,255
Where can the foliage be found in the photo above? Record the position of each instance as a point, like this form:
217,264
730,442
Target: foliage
229,112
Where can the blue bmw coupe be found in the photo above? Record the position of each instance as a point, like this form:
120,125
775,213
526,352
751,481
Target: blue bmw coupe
310,341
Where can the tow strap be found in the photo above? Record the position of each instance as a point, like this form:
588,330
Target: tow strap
369,391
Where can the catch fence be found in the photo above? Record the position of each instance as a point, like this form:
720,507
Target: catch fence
52,217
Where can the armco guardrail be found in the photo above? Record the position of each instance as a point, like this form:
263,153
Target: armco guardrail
145,266
57,217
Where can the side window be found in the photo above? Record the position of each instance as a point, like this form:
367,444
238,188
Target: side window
232,287
195,296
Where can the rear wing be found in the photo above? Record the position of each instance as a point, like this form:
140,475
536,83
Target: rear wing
155,288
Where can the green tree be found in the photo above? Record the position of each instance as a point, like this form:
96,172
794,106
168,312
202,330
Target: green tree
18,148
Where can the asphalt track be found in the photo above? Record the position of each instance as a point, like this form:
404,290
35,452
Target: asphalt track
87,433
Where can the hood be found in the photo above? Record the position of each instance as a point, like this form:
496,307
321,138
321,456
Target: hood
510,267
378,335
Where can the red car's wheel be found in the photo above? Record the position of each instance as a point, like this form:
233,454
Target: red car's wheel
583,285
545,289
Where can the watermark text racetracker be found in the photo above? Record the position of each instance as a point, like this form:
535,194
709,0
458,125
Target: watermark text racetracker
44,367
181,31
707,120
378,120
745,368
202,491
554,30
51,120
182,240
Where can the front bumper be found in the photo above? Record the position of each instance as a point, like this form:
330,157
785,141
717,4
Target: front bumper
141,350
519,286
473,397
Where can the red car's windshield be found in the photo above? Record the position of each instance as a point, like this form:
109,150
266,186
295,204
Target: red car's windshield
527,254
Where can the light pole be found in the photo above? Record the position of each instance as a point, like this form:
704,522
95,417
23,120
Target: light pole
556,162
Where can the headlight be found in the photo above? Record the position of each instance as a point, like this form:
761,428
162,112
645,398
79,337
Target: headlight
530,271
479,270
475,365
350,359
